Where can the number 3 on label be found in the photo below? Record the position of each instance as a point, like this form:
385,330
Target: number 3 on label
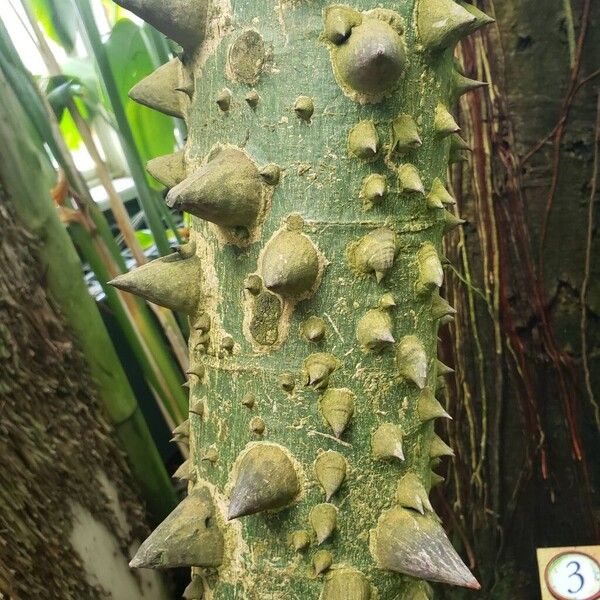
573,576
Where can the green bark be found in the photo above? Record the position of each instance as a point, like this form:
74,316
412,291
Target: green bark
318,144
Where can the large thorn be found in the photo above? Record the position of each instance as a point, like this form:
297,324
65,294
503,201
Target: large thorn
407,542
181,20
168,169
228,190
266,479
346,584
442,23
172,281
159,90
372,57
188,537
411,360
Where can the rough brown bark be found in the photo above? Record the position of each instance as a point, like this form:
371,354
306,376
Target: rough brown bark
523,421
54,438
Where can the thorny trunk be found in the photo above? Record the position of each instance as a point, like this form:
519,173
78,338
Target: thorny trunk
319,140
525,424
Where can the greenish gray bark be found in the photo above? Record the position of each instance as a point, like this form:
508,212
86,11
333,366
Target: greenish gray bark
319,139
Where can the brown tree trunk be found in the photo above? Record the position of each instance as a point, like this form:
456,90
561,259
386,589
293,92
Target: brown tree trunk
63,478
525,423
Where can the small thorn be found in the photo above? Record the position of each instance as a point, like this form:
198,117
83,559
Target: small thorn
405,135
337,407
431,273
195,589
411,493
330,469
363,140
462,85
304,107
457,143
410,180
182,430
318,368
300,541
374,189
271,173
429,408
159,90
443,369
374,330
451,221
411,360
386,442
444,123
252,98
439,448
224,99
339,21
322,560
249,400
323,519
198,408
438,195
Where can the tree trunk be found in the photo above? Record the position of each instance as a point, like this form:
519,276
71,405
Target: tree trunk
319,140
65,487
525,422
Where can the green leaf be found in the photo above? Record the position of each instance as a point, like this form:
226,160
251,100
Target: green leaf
131,61
58,19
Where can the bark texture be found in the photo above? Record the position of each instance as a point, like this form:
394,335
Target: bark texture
54,438
525,425
319,139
